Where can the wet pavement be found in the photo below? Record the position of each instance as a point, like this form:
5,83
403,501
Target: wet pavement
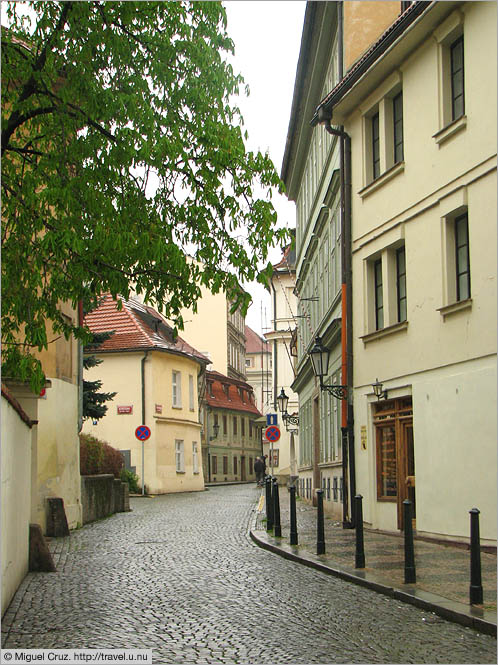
180,575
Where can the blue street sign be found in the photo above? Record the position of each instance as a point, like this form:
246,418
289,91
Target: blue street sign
271,419
272,433
142,433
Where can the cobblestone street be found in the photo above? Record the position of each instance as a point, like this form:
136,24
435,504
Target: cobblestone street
180,575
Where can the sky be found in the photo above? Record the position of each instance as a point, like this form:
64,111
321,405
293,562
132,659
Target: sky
267,38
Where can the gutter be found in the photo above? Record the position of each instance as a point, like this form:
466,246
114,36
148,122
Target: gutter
142,376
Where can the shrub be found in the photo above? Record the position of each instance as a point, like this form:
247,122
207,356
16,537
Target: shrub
132,480
98,456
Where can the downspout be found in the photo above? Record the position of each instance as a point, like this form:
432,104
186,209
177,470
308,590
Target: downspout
142,373
80,369
347,414
275,366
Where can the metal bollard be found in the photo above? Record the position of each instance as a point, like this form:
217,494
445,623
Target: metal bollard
277,529
410,574
293,519
360,549
320,531
269,504
475,590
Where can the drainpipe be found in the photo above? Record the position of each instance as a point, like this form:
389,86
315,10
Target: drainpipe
146,353
347,413
275,366
80,370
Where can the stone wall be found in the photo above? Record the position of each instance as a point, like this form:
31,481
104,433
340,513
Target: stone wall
103,495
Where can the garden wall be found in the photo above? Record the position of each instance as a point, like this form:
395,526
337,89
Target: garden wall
103,495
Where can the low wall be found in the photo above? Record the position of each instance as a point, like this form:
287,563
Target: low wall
103,495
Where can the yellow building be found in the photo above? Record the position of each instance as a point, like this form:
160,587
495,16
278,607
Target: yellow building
157,379
420,110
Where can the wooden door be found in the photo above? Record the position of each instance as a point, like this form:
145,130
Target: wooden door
406,468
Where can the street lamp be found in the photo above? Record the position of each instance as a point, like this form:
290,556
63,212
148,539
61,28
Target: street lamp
320,355
377,388
283,401
216,429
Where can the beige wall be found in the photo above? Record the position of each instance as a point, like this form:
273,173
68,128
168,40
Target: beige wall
446,360
122,373
16,500
364,22
59,451
206,330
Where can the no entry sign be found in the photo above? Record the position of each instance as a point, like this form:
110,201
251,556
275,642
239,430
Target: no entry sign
272,433
142,433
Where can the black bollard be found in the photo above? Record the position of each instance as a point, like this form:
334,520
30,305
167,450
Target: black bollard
320,531
475,591
277,529
360,550
269,504
410,575
293,520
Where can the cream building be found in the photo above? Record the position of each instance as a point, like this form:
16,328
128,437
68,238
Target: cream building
420,109
284,310
157,381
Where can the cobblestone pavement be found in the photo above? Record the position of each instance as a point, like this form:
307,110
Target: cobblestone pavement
180,575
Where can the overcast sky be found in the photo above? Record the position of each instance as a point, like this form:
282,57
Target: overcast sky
267,37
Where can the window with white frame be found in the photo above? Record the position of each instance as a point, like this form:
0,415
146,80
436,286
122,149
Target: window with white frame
177,389
191,401
456,257
195,457
383,130
179,456
386,282
451,75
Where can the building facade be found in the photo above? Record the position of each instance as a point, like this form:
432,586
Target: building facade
157,379
310,170
283,453
231,436
259,369
420,110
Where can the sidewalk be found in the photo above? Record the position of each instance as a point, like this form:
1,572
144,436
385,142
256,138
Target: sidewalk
443,571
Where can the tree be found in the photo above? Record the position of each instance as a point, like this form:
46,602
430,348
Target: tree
123,164
93,400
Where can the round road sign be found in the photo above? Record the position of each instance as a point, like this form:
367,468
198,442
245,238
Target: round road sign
272,433
142,433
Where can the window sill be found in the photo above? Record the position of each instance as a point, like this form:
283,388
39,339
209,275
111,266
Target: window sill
382,179
387,499
384,332
450,130
178,408
455,307
180,471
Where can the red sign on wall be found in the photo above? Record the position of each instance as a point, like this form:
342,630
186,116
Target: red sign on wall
159,408
125,409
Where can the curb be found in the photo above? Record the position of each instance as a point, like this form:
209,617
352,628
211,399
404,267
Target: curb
481,620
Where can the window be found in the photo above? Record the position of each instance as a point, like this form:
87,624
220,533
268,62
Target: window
214,464
248,362
462,258
177,390
191,392
457,79
449,36
379,296
235,425
401,283
386,303
195,457
383,147
243,426
250,466
179,456
250,429
375,146
235,465
398,127
225,465
225,425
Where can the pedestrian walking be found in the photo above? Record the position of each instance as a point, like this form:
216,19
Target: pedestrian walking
259,469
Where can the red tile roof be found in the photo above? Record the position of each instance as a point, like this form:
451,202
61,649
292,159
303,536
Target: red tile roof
216,397
137,327
254,343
